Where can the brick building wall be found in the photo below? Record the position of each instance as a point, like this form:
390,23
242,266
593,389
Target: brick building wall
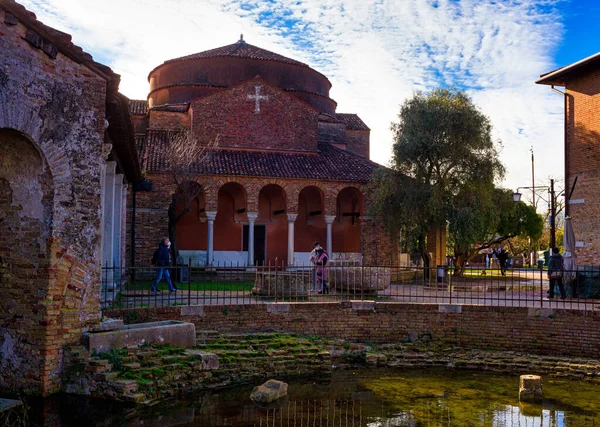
357,141
231,117
52,122
529,330
582,118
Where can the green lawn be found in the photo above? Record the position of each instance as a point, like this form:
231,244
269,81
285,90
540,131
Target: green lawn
206,286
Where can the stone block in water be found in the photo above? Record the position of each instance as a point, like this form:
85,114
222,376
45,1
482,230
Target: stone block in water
269,391
530,388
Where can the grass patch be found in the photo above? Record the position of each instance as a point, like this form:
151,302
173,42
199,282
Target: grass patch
199,286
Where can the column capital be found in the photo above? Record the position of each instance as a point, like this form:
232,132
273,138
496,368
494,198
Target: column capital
111,167
329,219
291,217
252,216
211,215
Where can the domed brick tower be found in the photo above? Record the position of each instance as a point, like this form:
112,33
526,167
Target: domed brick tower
180,80
288,169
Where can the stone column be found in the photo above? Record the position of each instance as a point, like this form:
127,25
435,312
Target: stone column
329,221
118,217
291,219
124,227
251,220
109,213
210,216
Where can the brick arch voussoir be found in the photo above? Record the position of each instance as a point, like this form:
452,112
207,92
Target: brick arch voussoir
28,122
285,185
360,187
317,184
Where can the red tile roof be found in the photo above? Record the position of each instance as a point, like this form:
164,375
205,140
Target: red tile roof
328,163
138,106
352,121
241,49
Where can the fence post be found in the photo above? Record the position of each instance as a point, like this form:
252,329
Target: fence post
189,281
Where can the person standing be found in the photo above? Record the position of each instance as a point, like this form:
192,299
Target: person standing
313,260
322,260
162,259
556,269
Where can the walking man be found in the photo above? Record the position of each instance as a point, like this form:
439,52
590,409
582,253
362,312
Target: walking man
556,269
502,258
162,259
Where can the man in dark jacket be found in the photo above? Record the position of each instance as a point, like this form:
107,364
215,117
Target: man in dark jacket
163,261
502,258
556,269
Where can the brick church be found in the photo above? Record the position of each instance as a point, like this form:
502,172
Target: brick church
288,169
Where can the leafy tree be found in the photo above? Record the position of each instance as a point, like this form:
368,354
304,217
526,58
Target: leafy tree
488,222
185,154
443,170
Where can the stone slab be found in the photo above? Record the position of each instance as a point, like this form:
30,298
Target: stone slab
540,312
181,334
192,310
363,305
108,325
450,308
277,308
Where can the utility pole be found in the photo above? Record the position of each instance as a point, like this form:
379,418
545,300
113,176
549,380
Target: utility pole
532,180
552,216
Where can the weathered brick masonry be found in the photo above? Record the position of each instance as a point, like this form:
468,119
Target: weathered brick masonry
536,331
53,102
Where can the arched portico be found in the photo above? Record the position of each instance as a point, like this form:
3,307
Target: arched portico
192,229
345,230
310,223
272,216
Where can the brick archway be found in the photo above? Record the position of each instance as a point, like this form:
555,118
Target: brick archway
310,224
347,224
272,210
26,203
231,213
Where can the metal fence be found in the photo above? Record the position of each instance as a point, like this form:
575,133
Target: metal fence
232,284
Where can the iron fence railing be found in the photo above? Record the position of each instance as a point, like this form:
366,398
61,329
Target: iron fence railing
234,284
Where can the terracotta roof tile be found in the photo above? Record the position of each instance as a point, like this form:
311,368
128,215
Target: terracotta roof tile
329,163
353,122
138,106
241,49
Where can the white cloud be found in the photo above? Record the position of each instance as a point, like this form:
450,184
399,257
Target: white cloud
375,53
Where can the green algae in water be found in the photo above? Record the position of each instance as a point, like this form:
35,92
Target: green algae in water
463,398
361,398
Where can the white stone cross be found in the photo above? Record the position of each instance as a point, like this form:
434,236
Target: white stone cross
257,97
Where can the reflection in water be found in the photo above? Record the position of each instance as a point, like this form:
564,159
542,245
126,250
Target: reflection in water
368,398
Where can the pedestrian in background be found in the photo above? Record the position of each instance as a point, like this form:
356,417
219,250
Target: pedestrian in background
162,259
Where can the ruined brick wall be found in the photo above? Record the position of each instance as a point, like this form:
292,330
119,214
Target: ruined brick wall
583,162
51,134
529,330
283,123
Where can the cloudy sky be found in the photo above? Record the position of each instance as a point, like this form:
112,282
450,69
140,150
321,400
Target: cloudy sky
375,52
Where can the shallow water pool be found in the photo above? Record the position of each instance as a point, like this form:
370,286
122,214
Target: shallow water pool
370,398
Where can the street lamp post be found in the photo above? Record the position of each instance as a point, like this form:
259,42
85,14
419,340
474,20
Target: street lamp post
517,198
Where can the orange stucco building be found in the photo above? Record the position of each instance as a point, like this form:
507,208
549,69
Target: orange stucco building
288,169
